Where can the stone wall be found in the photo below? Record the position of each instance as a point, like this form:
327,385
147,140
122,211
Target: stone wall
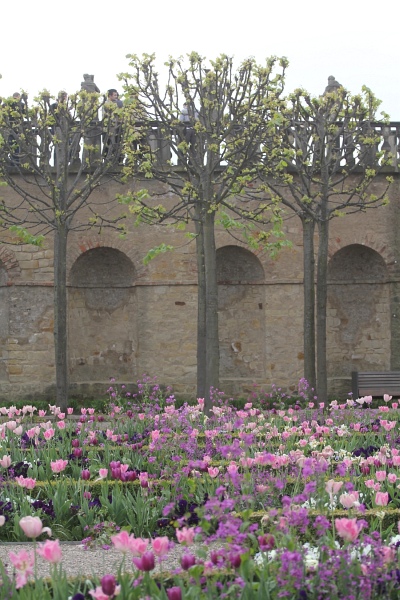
127,319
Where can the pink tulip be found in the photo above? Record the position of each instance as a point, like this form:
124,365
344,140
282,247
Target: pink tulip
380,475
5,462
49,433
2,520
33,527
139,546
185,535
26,482
349,500
387,398
381,498
50,551
58,465
333,487
213,472
395,405
98,594
18,430
347,529
70,411
122,541
103,473
155,435
160,546
42,413
61,424
23,563
388,553
232,469
392,477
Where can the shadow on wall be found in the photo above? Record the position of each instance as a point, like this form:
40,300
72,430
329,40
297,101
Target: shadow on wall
241,314
102,322
358,311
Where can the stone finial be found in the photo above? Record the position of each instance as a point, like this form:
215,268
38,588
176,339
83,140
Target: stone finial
88,84
332,86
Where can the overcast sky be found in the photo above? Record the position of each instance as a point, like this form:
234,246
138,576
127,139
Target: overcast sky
50,44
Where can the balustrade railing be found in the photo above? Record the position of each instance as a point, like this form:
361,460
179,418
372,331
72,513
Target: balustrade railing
88,147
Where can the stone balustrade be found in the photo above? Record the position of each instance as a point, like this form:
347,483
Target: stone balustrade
165,150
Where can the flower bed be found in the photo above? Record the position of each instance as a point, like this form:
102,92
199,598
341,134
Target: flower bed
303,501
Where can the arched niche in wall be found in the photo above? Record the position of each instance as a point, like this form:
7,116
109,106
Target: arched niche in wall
4,321
241,313
358,331
102,329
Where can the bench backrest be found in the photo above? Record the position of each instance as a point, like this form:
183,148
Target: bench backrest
375,383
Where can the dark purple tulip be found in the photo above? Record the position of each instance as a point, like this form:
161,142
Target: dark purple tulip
85,474
235,560
365,469
108,585
187,561
116,473
114,464
75,443
215,556
266,542
174,593
146,563
77,452
130,476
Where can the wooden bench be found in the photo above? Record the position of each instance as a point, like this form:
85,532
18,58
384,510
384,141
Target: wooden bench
375,383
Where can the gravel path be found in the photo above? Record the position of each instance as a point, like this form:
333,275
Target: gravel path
77,561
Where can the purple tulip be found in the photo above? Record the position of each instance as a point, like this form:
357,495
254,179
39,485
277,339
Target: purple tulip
187,561
108,585
235,560
146,562
116,473
85,474
174,593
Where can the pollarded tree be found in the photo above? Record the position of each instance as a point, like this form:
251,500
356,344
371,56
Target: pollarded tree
328,160
207,126
50,155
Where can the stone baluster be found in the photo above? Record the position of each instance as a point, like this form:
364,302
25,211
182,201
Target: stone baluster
367,153
163,148
349,150
389,145
91,154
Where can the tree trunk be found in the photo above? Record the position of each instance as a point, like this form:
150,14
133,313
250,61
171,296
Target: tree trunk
211,288
309,301
60,315
201,305
322,294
